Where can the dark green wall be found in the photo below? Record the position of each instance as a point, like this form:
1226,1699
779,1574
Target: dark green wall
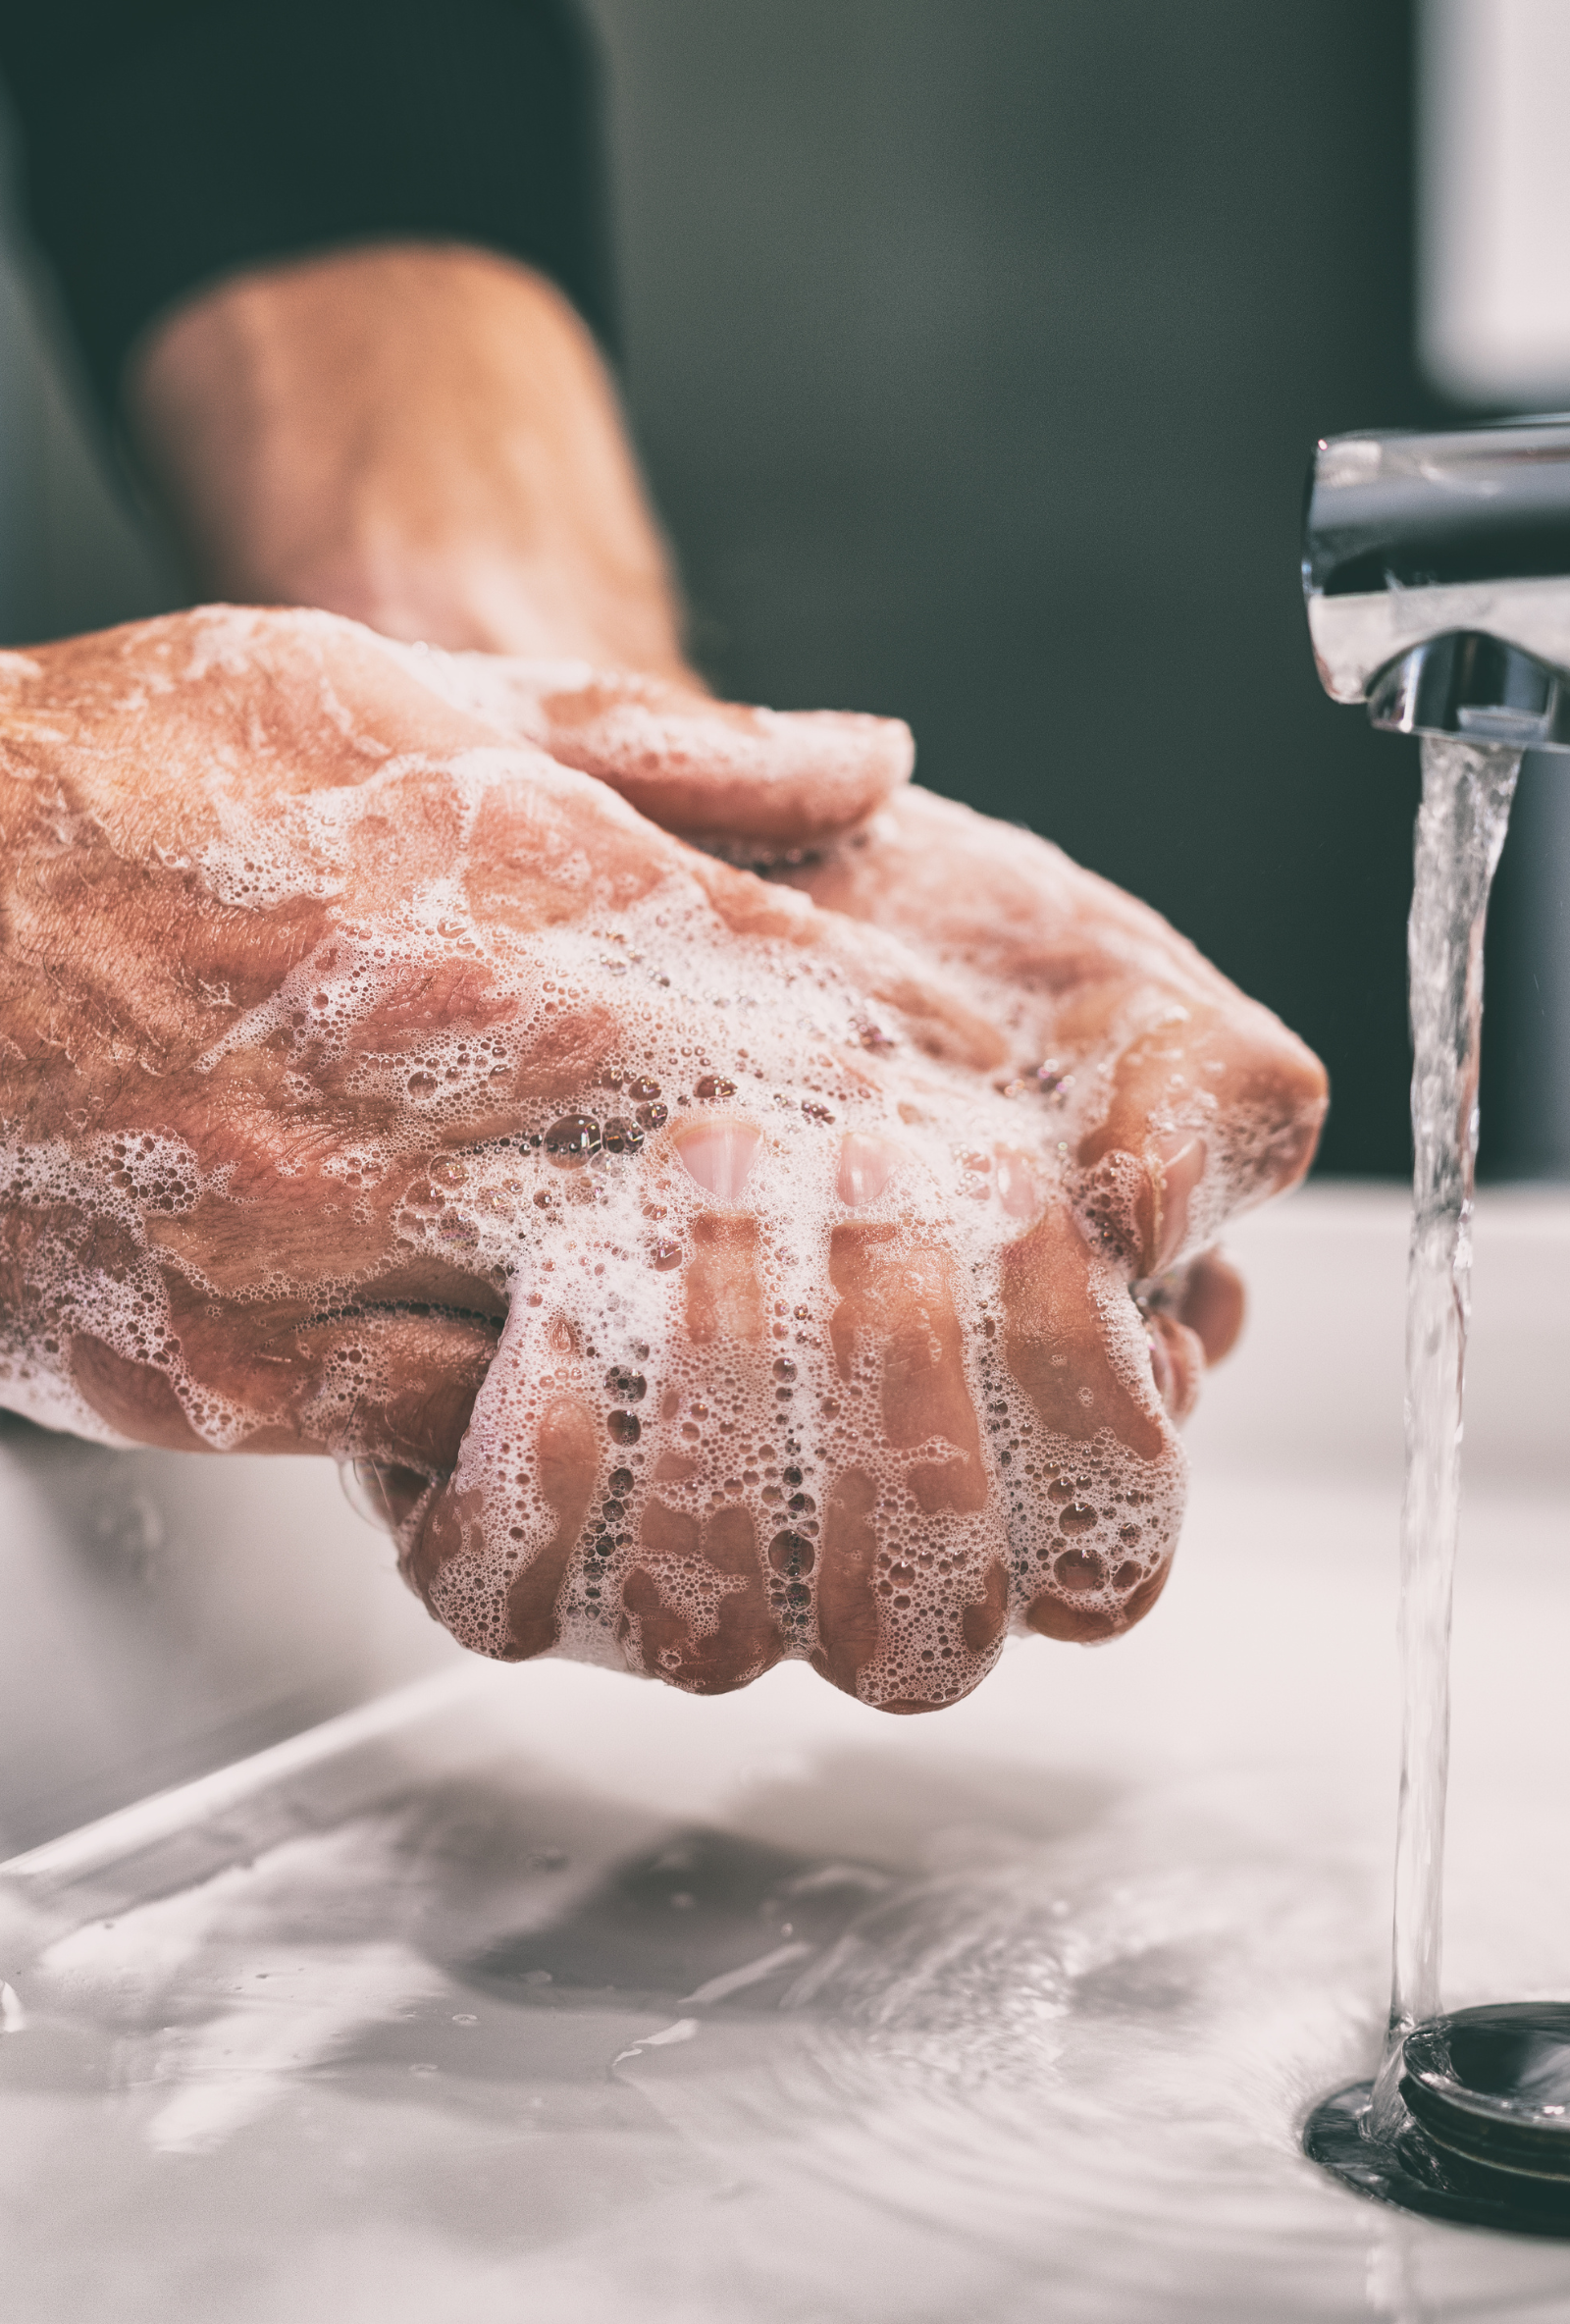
978,353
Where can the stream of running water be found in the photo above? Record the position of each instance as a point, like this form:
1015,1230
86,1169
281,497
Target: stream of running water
1467,790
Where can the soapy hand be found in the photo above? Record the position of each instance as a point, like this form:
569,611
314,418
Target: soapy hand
1169,1100
686,1260
1177,1102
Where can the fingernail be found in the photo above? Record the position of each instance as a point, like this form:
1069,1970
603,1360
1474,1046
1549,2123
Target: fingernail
866,1164
1212,1304
1178,1362
1181,1159
1019,1189
720,1156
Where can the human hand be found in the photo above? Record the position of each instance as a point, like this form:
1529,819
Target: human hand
1173,1100
1169,1100
300,962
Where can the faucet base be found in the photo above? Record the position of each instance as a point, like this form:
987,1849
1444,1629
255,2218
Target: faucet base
1486,2139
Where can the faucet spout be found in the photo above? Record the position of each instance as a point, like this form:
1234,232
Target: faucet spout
1477,686
1436,572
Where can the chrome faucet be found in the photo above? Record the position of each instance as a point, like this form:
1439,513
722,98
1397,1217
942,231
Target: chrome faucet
1437,571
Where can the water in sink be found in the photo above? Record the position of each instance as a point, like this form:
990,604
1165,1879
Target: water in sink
556,1997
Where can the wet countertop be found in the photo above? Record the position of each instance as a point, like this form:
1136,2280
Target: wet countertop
548,1992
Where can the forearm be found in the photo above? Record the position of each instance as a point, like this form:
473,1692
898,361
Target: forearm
422,437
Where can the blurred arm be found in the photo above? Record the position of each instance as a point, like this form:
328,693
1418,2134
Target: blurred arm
342,266
423,438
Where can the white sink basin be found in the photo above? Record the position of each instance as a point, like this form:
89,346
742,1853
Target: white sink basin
165,1613
544,1993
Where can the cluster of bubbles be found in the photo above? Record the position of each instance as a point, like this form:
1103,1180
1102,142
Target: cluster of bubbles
107,1288
725,1455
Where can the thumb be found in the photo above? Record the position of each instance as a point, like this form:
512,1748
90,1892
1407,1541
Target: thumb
712,771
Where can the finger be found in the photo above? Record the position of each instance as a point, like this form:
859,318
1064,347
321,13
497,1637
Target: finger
1096,1475
388,1383
709,770
1212,1304
621,1508
1180,1100
914,1598
489,1552
708,1600
1176,1362
1212,1109
816,1482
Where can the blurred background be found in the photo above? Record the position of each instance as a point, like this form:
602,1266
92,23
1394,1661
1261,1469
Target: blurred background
977,355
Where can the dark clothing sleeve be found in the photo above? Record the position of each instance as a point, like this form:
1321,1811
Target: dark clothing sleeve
168,142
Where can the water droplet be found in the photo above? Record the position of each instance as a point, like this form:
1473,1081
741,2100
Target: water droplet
620,1480
653,1117
573,1138
713,1085
784,1369
641,1090
622,1138
667,1255
421,1084
624,1428
628,1386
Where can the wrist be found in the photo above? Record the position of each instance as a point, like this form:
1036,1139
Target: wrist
425,438
469,592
